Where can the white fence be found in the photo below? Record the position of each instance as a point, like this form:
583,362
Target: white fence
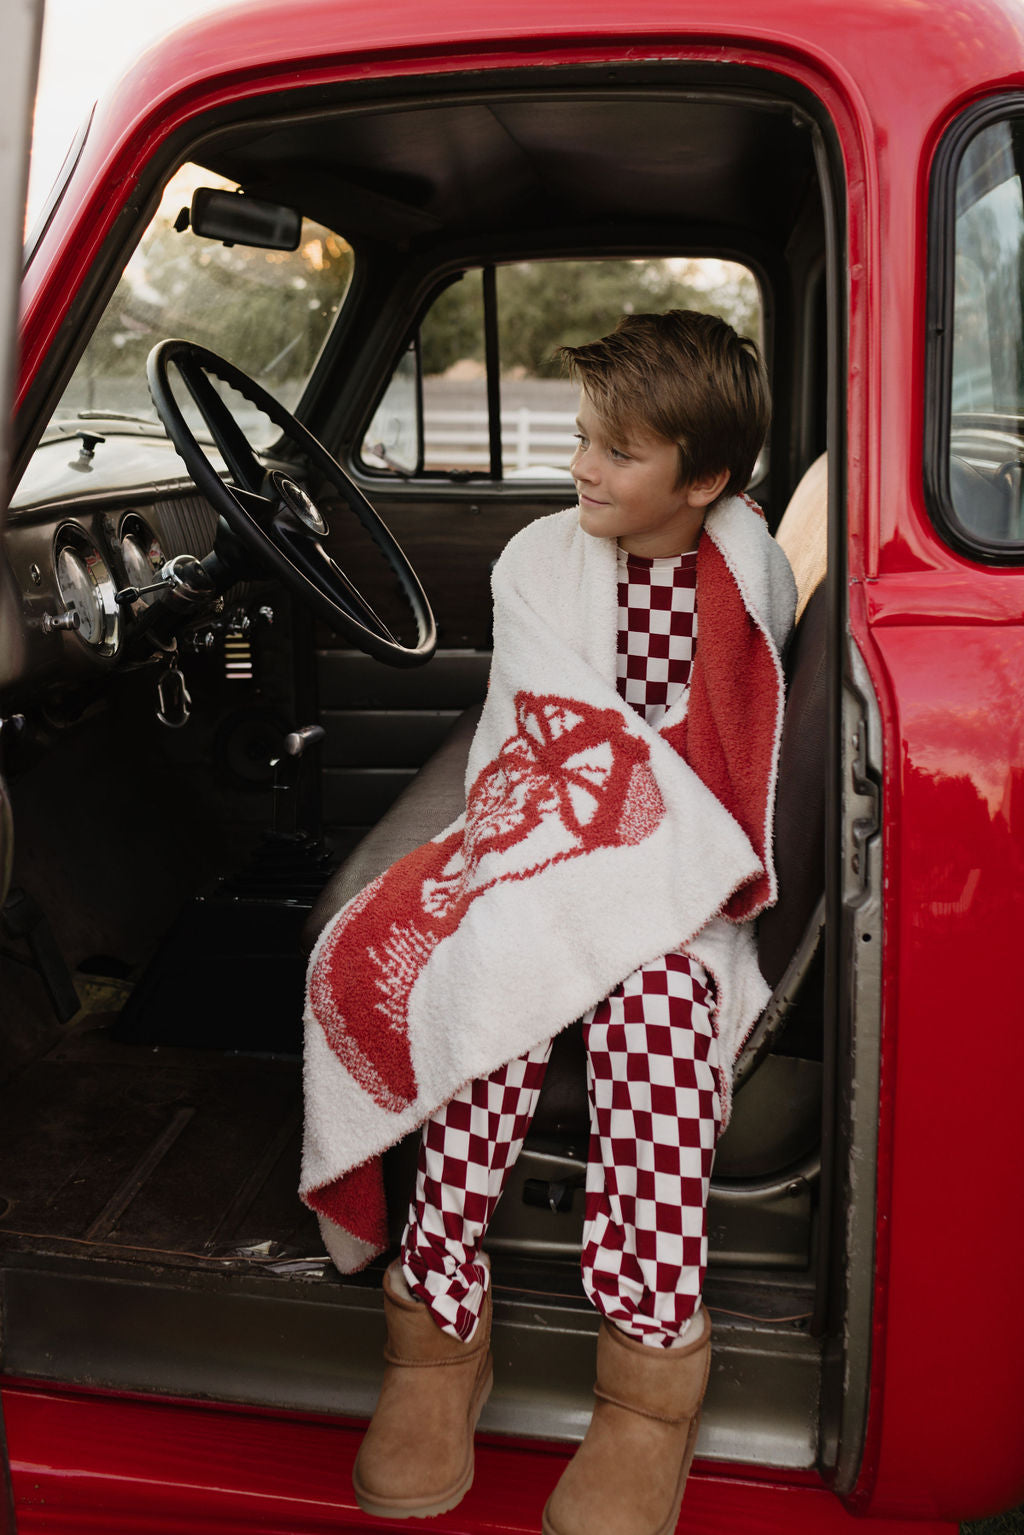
530,439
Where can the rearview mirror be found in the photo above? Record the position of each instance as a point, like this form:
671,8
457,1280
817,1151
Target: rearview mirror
238,219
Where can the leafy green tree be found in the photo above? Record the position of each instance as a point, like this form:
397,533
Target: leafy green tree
546,304
453,329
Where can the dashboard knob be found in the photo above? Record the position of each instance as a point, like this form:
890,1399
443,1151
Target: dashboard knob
296,741
69,619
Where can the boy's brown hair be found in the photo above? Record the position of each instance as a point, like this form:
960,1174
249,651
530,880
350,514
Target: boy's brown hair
685,376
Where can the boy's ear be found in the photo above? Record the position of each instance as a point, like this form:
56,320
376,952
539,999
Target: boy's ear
707,488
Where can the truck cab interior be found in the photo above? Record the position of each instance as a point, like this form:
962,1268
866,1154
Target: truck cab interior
205,761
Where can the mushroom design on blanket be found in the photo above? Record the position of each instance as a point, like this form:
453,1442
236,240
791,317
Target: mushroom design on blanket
572,778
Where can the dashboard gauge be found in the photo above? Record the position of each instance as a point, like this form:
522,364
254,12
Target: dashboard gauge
87,588
141,553
79,594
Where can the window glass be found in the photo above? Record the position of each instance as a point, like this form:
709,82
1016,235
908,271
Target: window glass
266,311
392,438
452,356
987,386
542,305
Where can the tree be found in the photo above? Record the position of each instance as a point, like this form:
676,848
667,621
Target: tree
543,305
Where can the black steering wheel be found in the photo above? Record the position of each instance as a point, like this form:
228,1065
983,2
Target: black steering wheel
274,518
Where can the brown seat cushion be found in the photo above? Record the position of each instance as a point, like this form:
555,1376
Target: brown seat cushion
432,801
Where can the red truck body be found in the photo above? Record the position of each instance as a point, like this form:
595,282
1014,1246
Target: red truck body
941,634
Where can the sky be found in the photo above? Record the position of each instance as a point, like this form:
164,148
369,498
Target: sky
87,45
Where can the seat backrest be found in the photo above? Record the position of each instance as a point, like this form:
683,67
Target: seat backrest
789,934
803,531
800,797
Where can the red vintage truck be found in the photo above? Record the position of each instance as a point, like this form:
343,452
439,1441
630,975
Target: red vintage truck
385,219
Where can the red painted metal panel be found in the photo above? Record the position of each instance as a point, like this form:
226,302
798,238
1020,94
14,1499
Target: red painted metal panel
955,804
85,1462
944,644
7,1526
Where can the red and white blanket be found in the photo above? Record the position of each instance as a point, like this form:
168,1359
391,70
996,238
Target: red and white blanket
591,843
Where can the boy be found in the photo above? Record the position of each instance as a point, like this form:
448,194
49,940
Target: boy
618,824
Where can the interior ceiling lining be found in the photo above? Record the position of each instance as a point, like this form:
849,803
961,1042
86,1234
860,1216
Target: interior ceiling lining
483,167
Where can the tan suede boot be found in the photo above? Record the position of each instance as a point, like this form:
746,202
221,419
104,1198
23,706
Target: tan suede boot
628,1475
417,1456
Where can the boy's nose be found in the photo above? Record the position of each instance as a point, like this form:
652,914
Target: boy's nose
582,465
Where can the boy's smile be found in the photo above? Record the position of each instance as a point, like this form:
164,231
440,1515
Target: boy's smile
629,490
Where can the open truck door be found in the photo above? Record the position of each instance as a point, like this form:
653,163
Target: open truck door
23,24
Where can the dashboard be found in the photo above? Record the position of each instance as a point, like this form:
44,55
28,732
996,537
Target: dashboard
83,563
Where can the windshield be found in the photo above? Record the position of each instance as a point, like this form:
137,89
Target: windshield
268,312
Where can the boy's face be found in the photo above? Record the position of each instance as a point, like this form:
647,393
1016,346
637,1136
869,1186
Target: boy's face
629,490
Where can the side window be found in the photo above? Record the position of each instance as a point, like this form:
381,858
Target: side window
394,438
480,394
984,356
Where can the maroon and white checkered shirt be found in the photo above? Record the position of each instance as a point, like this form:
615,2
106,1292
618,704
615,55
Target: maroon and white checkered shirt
657,630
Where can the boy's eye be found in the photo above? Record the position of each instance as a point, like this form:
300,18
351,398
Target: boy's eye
580,439
618,454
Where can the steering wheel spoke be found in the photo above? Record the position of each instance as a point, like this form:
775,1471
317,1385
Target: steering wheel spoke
226,433
261,508
310,555
273,517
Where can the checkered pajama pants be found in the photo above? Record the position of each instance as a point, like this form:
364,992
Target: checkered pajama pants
655,1112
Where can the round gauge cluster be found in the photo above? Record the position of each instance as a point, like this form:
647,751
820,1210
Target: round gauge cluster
87,588
141,554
